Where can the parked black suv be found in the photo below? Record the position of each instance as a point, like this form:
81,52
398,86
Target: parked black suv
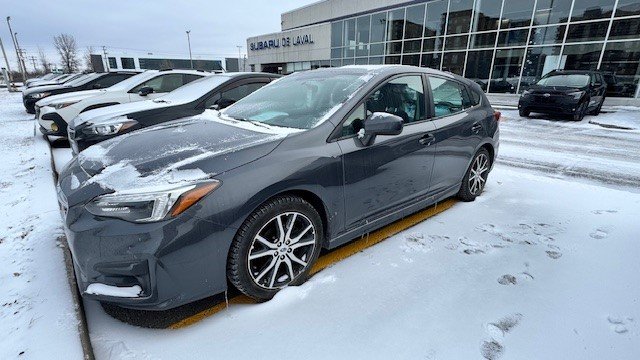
85,82
567,92
211,92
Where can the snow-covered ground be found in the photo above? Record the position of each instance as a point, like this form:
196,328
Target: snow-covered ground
543,266
37,314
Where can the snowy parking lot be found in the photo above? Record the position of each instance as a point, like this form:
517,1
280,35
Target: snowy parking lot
543,265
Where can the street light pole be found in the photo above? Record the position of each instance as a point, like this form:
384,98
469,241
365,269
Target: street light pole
15,46
239,57
10,79
189,42
21,52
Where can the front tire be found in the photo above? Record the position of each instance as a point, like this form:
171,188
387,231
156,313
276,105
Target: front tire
524,112
275,247
476,176
581,110
597,110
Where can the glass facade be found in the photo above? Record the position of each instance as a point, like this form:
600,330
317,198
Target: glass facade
503,45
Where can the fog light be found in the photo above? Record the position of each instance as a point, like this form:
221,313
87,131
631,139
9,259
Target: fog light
54,127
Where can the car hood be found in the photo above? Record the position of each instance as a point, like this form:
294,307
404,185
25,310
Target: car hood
174,153
554,89
67,97
42,83
42,89
106,113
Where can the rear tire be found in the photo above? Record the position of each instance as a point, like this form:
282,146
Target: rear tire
476,177
597,110
524,112
581,110
275,247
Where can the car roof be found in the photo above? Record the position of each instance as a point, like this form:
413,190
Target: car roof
250,74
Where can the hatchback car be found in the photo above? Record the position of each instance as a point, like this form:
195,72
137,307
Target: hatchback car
249,195
213,92
567,92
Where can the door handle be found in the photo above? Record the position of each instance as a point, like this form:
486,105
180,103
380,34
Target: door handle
427,140
476,127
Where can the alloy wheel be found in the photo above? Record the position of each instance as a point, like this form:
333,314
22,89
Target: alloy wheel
478,175
281,250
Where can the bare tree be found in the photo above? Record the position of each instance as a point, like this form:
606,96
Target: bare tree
66,46
87,57
44,62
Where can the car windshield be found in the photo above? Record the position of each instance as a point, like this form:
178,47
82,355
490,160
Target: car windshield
301,100
79,80
129,83
565,80
194,89
84,79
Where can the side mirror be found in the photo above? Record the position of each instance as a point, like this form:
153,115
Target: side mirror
214,107
146,90
380,123
223,103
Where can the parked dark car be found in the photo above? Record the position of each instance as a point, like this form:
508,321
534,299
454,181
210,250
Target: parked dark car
85,82
216,91
565,92
249,195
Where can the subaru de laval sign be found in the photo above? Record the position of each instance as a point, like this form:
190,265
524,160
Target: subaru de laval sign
284,42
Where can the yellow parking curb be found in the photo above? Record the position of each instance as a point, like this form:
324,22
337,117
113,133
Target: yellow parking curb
334,256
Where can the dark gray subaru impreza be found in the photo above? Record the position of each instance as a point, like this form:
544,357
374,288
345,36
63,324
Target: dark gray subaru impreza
249,195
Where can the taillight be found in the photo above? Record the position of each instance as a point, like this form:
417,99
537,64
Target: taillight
496,115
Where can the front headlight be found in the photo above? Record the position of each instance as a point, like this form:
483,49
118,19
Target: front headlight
40,95
576,95
59,106
150,206
110,127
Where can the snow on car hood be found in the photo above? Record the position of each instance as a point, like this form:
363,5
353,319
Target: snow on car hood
180,151
109,112
67,97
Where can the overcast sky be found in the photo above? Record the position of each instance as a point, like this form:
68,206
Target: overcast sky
158,26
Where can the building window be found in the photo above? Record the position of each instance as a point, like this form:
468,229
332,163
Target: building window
592,9
378,26
483,40
395,24
432,44
394,47
628,8
456,42
431,60
414,26
625,29
551,12
113,64
506,70
516,13
376,49
581,57
363,24
547,35
479,66
513,38
411,60
436,15
594,31
453,61
539,61
412,46
128,63
487,15
621,61
459,20
336,33
392,60
349,36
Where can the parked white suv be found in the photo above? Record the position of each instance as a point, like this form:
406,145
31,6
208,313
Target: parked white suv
55,112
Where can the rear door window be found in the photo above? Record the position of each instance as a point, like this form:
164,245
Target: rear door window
449,97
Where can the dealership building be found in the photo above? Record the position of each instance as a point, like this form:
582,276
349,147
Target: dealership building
503,45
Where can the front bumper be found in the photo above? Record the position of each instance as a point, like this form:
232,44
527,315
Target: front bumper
174,262
51,123
29,104
551,105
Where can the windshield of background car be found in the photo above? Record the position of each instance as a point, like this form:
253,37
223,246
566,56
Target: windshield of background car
129,83
566,80
195,89
79,80
301,100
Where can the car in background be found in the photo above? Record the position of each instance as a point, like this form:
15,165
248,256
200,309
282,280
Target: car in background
82,82
45,77
567,92
212,92
58,80
54,113
249,195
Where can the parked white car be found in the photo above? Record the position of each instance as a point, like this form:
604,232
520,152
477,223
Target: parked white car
55,112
